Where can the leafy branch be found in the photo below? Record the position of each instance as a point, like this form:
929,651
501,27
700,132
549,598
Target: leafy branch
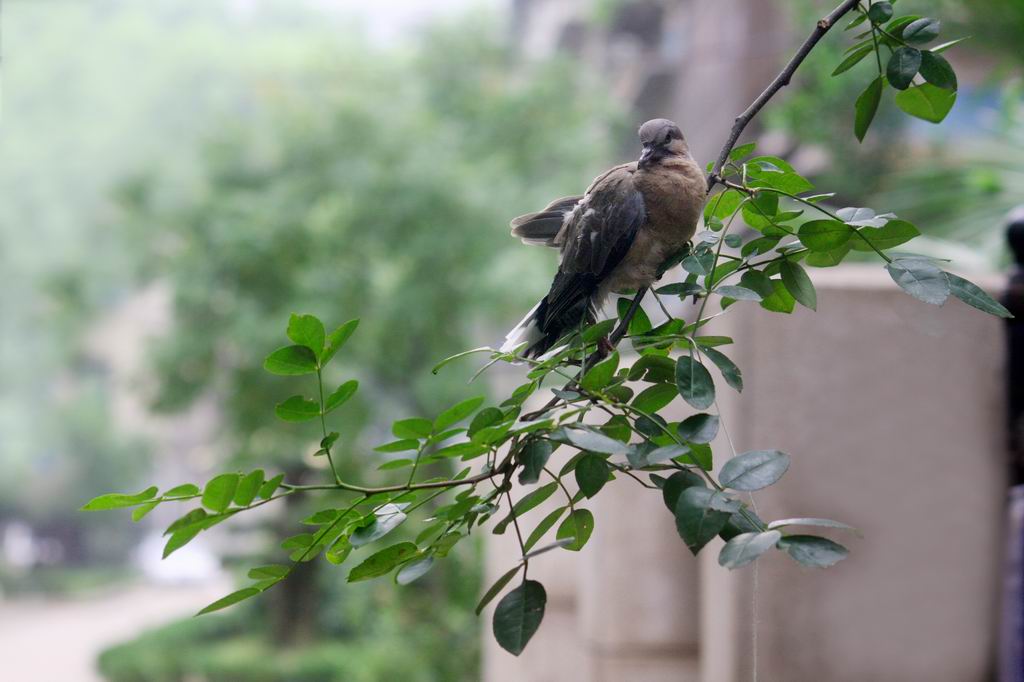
606,414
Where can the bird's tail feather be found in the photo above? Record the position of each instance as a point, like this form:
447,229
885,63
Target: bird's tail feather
540,334
527,331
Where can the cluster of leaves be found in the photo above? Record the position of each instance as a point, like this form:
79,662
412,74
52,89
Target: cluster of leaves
925,80
608,416
677,457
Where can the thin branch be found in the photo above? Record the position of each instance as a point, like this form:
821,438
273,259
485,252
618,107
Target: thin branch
781,81
504,468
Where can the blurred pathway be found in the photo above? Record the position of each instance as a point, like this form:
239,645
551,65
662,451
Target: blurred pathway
45,640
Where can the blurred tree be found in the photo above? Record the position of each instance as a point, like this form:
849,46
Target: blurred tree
153,77
379,185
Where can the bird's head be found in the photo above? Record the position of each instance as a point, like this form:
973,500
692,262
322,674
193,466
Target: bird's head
661,138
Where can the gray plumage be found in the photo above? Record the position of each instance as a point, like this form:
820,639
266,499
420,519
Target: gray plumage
632,219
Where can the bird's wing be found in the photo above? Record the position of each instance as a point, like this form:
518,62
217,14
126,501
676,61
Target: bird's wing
542,227
596,236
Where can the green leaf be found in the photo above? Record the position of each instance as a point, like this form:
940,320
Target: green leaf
891,235
699,428
267,489
308,331
494,589
754,470
723,205
743,150
798,284
299,541
860,216
781,301
593,441
230,600
730,372
184,490
291,361
340,395
903,66
598,376
119,500
813,551
268,572
926,101
525,504
738,293
415,427
880,12
591,474
945,46
645,456
533,457
457,413
558,544
809,521
219,492
676,484
920,278
755,280
937,71
386,519
744,548
866,107
694,383
578,526
464,450
297,409
975,296
853,59
414,570
486,417
399,445
701,514
395,464
922,31
382,562
654,398
824,235
339,551
337,339
830,258
857,21
140,512
518,615
543,527
598,331
247,488
897,25
640,323
179,539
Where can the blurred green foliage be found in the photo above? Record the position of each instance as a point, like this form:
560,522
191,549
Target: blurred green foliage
357,639
93,91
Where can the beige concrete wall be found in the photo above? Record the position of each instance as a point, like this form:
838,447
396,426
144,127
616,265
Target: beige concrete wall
891,411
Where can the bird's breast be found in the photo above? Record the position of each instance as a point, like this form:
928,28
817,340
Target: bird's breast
674,195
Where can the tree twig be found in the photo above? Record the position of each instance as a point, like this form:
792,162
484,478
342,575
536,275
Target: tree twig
781,81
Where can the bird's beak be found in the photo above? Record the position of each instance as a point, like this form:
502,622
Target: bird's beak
647,153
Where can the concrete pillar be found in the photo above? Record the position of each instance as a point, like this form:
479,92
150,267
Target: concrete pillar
892,412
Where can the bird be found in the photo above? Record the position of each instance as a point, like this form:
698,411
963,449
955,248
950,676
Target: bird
617,236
